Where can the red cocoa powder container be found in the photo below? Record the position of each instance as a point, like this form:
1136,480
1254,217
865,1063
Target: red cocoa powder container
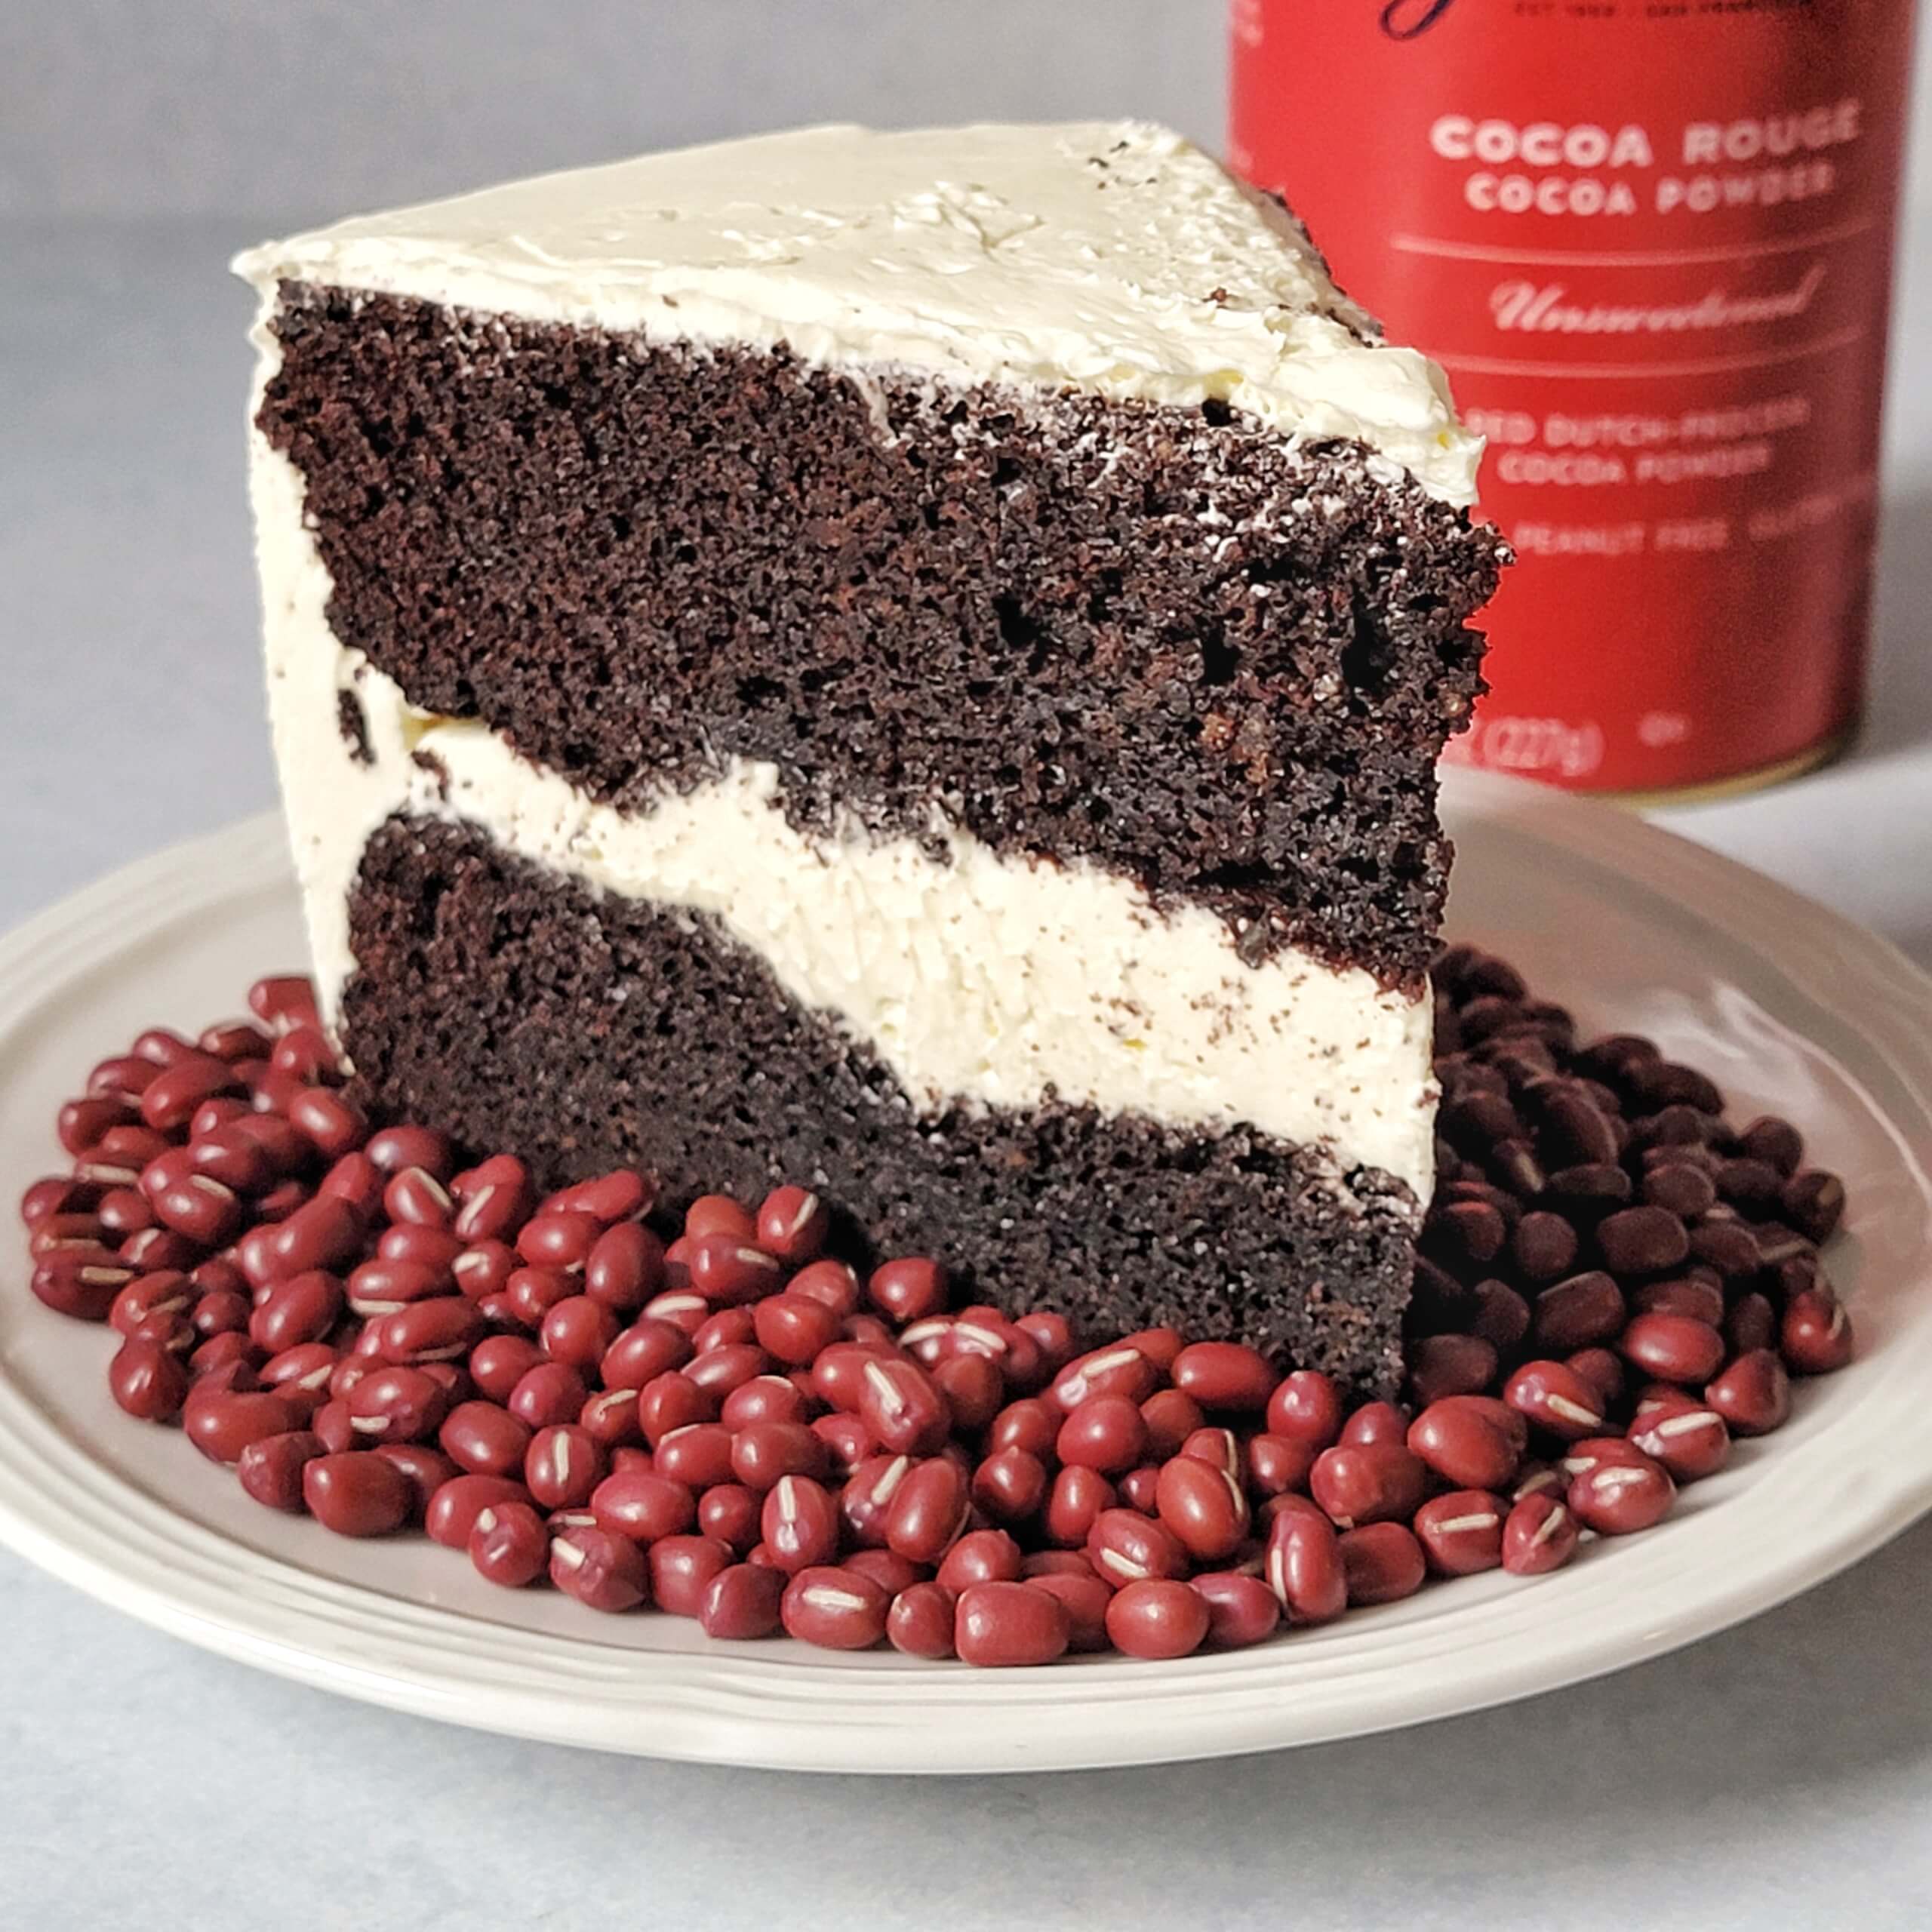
1651,241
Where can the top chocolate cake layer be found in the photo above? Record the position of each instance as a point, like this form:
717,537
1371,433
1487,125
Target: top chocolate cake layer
1166,640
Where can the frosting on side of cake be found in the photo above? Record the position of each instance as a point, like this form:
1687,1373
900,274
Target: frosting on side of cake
976,978
1116,258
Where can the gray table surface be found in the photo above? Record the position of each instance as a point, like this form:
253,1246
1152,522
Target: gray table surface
1779,1775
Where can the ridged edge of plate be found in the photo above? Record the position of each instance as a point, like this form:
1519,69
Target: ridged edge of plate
1794,1515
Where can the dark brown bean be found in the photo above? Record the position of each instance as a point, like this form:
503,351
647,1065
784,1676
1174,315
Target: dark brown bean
1501,1316
1440,1365
1544,1246
1750,1186
1727,1246
1775,1142
1813,1203
1643,1241
1574,1129
1693,1296
1596,1186
1681,1187
1579,1313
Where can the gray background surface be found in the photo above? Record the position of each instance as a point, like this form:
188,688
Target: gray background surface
1780,1775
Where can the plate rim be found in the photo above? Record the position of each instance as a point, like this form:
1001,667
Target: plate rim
770,1705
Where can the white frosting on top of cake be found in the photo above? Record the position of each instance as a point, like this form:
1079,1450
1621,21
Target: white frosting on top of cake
1114,257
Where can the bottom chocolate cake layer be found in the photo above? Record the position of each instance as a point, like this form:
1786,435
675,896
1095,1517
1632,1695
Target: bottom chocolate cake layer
513,1008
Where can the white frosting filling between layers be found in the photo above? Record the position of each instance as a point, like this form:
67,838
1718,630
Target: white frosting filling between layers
975,978
1113,257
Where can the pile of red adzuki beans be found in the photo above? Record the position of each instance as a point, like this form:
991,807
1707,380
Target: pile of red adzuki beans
738,1428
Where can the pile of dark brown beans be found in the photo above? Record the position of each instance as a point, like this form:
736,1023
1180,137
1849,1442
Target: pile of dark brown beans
1616,1283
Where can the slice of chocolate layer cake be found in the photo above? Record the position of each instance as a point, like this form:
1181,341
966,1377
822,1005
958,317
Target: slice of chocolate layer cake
912,663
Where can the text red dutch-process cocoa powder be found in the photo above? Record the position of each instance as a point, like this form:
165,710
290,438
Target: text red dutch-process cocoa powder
1651,241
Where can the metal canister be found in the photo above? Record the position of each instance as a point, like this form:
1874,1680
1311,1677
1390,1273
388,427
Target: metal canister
1650,241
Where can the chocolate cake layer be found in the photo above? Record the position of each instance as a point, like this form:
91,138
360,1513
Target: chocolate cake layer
513,1007
1185,647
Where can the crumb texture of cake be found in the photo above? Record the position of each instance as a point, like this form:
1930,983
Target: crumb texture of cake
519,1008
910,662
1220,663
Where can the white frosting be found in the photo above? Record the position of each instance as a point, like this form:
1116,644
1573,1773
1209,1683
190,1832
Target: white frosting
1113,257
975,977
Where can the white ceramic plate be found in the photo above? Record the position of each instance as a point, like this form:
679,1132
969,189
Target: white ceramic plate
1794,1010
